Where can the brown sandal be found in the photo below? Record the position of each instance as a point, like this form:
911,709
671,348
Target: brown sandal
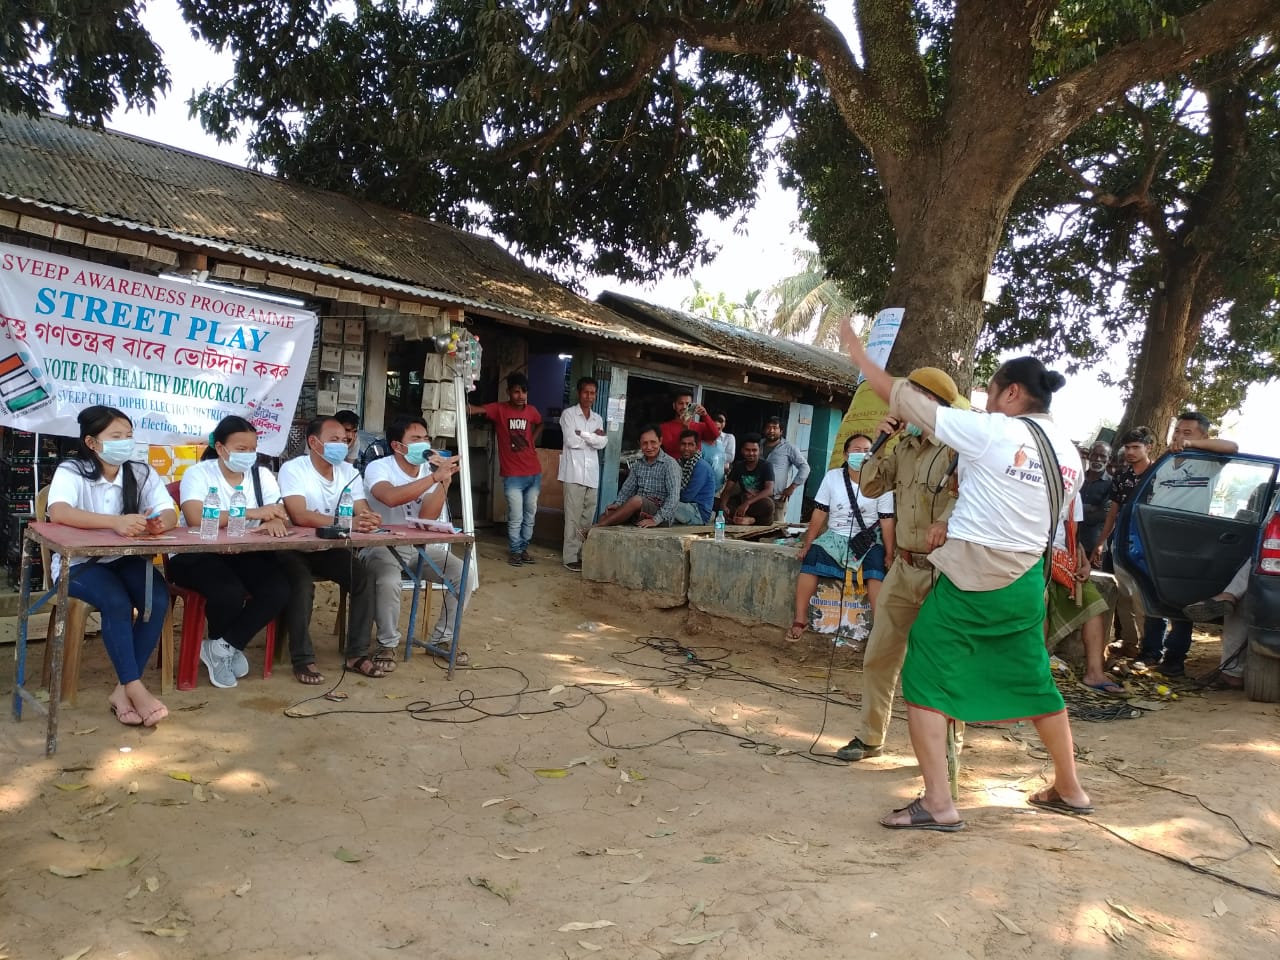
366,667
308,674
797,625
385,660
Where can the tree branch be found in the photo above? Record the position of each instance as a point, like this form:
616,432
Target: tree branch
1055,112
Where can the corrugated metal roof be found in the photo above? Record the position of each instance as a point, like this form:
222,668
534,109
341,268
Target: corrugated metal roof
826,367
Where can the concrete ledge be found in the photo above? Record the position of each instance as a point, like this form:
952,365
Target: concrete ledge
655,560
746,582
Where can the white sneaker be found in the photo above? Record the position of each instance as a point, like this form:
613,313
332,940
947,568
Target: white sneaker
239,663
219,657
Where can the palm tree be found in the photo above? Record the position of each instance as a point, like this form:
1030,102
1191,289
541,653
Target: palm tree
811,298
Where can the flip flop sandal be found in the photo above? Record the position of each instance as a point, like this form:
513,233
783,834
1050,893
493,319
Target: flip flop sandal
308,674
366,667
922,819
461,660
1108,687
126,712
1056,804
798,624
386,662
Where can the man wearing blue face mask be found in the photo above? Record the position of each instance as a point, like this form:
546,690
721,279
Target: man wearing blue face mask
312,485
918,471
411,484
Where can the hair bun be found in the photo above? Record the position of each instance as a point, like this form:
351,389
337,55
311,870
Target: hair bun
1054,381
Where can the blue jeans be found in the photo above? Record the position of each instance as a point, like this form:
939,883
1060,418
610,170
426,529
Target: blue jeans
1175,644
116,589
522,509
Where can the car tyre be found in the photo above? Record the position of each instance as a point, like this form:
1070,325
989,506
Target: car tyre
1262,674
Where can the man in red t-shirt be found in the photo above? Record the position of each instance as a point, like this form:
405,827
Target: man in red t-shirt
518,425
706,428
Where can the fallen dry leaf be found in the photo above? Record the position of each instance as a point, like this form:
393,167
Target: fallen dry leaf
659,834
152,884
1115,930
768,769
346,856
527,849
180,775
197,793
1124,911
1164,928
640,879
71,786
620,851
133,891
99,811
1010,925
115,864
84,733
588,945
68,872
494,802
794,843
70,835
431,790
483,882
585,925
244,888
504,856
578,762
133,787
1220,907
83,950
556,689
175,932
697,938
551,773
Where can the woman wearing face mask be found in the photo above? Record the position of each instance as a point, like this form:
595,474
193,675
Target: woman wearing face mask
244,591
841,537
103,488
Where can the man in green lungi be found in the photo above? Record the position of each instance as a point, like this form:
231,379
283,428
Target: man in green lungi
976,651
918,472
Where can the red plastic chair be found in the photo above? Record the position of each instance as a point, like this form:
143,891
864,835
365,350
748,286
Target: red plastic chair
193,625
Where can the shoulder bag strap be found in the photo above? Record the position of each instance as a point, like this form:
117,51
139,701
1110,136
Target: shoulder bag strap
853,502
257,485
1054,483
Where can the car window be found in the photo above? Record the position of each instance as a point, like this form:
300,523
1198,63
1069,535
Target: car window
1231,489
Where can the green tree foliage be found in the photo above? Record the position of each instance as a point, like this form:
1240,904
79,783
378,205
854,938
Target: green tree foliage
90,56
809,298
718,306
1156,230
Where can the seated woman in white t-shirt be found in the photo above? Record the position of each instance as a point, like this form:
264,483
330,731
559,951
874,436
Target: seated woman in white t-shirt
832,541
244,591
103,488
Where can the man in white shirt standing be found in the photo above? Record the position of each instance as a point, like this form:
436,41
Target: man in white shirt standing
411,484
312,486
583,433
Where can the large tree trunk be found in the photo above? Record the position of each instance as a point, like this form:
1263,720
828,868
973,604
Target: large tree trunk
1159,373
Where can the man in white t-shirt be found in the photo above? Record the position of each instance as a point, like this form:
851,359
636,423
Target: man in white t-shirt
583,436
312,485
411,484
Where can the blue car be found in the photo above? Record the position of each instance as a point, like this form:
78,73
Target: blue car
1193,521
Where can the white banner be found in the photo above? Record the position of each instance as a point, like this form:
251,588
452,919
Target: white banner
175,357
884,332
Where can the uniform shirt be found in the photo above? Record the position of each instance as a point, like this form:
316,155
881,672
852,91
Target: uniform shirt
105,496
298,478
833,497
782,457
579,462
915,470
658,481
199,477
388,470
517,456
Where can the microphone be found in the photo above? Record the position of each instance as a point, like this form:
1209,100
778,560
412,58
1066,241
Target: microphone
337,504
334,531
880,442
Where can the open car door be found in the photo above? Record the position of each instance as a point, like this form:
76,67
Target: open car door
1190,524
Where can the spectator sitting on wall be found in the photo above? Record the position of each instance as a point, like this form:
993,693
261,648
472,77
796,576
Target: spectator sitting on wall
747,497
651,492
697,483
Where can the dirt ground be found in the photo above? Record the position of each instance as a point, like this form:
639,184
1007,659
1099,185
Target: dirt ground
396,829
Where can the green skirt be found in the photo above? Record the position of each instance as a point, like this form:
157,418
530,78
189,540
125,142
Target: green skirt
980,656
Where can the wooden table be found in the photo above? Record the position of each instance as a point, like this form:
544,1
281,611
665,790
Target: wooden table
72,542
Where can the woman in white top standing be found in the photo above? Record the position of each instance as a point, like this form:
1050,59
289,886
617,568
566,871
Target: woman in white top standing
243,591
976,651
840,539
103,488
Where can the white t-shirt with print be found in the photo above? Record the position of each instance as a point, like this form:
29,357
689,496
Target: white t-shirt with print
199,477
1077,514
388,470
1185,484
834,498
298,478
106,496
1004,502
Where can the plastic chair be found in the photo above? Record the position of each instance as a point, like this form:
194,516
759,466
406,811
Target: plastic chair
77,614
193,626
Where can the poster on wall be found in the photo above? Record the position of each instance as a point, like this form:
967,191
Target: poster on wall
175,357
867,410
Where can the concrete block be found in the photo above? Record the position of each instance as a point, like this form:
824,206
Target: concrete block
655,560
747,582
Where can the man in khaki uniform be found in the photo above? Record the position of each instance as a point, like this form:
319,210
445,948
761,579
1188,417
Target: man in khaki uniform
919,472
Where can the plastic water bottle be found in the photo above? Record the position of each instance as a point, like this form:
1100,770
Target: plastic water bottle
719,534
346,511
209,515
236,518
